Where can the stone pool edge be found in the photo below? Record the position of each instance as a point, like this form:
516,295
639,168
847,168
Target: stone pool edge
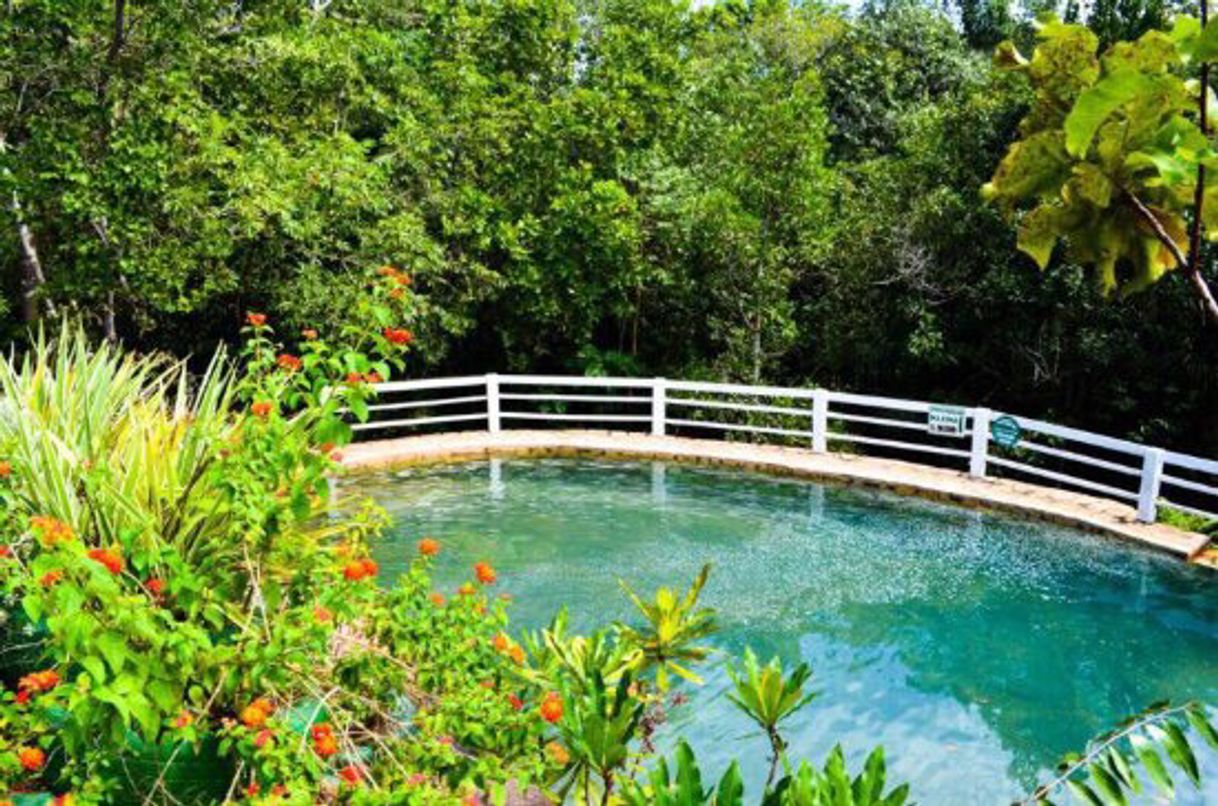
1063,507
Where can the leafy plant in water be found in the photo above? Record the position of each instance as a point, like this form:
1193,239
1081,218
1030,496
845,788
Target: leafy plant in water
768,697
674,625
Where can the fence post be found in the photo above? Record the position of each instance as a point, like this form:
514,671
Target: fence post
1148,490
659,406
492,402
820,420
981,443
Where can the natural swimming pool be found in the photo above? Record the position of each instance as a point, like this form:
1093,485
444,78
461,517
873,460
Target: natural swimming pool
977,648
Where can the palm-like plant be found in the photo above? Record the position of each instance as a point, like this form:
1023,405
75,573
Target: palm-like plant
767,696
674,625
112,443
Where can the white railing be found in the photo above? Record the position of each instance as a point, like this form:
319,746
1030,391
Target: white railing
982,441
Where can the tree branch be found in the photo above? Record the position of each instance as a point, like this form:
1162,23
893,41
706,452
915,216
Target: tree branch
1200,286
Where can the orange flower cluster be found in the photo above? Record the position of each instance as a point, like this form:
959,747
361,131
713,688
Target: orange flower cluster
51,530
256,713
309,334
429,547
397,275
322,615
111,558
255,319
6,551
437,599
31,758
485,573
6,470
324,743
184,719
155,586
39,682
500,642
551,707
354,378
351,774
288,362
398,335
262,408
50,578
558,754
361,569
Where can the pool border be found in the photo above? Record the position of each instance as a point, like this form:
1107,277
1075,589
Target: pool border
1076,510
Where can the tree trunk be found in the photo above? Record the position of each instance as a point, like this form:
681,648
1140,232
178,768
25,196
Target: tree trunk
32,277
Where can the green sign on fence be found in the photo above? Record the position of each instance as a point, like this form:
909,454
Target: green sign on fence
1006,431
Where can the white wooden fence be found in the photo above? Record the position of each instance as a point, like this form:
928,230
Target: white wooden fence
820,419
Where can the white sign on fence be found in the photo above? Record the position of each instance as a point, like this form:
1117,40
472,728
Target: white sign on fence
947,421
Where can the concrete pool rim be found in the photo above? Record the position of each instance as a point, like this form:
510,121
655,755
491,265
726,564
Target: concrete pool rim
1062,507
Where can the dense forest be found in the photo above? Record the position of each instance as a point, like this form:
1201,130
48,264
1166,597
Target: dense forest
738,190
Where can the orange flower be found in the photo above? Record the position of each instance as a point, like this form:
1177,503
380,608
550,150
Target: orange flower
322,615
324,743
354,377
387,271
398,335
354,571
255,319
472,799
437,599
309,334
551,707
23,697
485,573
500,642
184,719
402,278
371,568
516,703
262,408
263,738
516,653
155,586
429,547
50,578
252,790
351,774
39,682
6,551
373,377
288,362
558,754
466,589
110,558
253,717
6,470
51,530
31,758
397,293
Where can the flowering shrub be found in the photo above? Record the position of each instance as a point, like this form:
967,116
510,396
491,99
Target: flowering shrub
163,557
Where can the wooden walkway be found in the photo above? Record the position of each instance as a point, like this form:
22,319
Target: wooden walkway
1059,506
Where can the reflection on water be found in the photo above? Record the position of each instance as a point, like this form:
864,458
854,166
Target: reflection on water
976,648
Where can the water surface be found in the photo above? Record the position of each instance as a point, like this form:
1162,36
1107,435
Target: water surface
977,648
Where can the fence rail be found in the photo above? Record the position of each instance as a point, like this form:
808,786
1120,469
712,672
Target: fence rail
982,441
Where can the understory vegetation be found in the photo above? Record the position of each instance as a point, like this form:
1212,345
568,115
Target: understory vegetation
731,190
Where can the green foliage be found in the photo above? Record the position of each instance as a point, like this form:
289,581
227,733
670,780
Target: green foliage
1153,743
673,626
1109,155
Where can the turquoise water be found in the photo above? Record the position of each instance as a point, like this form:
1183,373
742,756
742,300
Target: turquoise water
976,648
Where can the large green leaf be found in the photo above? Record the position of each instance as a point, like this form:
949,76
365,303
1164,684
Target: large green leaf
1096,103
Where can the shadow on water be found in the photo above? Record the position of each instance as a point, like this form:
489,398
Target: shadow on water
976,648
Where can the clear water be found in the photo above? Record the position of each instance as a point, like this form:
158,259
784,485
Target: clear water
976,648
